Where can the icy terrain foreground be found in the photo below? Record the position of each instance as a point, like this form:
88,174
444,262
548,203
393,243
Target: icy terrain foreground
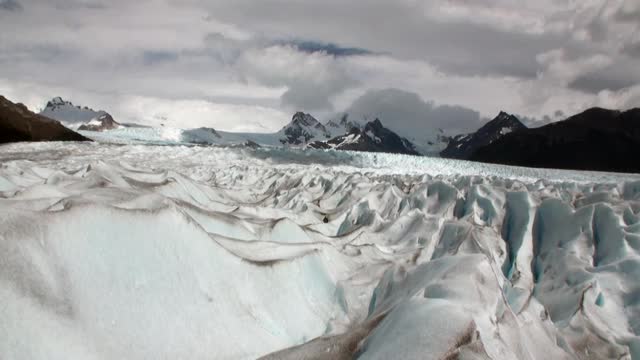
169,252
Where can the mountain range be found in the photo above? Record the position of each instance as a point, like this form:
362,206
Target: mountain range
596,139
373,137
304,131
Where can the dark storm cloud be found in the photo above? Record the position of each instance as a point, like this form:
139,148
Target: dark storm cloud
300,97
404,111
620,75
10,5
399,29
477,50
596,82
80,4
153,57
308,95
461,46
327,48
45,54
633,50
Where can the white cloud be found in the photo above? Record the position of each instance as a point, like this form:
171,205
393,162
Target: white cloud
624,99
561,70
200,113
147,110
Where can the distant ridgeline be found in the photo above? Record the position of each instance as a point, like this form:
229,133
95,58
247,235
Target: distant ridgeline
596,139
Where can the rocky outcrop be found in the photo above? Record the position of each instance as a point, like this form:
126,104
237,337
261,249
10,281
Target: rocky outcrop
102,123
17,123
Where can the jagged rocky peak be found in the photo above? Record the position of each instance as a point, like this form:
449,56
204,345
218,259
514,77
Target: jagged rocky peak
507,119
374,125
503,123
464,145
78,117
302,129
373,137
57,102
503,115
304,119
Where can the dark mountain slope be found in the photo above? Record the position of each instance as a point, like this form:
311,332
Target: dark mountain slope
596,139
17,123
463,146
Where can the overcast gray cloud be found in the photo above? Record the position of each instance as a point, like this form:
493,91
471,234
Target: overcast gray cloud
463,59
10,5
405,112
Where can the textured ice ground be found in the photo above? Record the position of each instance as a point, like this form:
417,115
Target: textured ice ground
175,252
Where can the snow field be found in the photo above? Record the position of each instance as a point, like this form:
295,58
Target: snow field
165,252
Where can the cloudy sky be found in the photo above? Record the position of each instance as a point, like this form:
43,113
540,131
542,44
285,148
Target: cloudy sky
247,65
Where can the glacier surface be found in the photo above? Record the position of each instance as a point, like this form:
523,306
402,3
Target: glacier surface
186,252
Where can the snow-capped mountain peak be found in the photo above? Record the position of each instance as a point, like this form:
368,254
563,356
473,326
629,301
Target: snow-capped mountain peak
60,105
78,117
303,119
505,120
57,101
373,137
427,141
302,129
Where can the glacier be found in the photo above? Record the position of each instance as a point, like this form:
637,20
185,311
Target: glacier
168,251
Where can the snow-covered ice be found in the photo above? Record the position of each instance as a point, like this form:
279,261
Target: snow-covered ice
186,252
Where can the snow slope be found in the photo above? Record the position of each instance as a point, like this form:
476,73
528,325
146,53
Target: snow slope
77,117
164,252
69,114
